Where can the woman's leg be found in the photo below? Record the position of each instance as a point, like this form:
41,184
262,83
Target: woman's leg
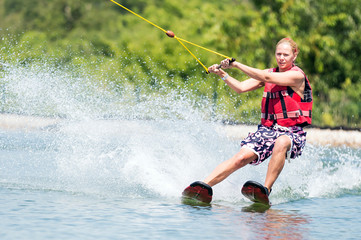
226,168
275,166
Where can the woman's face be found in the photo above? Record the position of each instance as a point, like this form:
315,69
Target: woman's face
284,56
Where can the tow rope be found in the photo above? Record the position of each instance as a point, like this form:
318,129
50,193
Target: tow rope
180,40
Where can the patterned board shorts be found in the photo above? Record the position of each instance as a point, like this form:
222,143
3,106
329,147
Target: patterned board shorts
262,141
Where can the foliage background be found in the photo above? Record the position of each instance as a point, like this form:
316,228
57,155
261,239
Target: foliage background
122,50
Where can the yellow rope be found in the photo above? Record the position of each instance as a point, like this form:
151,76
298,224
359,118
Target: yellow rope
139,16
203,48
179,39
193,56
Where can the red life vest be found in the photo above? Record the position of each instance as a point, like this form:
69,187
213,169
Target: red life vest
283,105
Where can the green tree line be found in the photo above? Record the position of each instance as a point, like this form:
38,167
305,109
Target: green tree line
114,44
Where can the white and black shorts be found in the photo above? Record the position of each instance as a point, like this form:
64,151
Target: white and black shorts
262,141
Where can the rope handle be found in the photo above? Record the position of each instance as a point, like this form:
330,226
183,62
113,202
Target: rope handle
230,60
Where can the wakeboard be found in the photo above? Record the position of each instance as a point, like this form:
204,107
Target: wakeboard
197,192
256,192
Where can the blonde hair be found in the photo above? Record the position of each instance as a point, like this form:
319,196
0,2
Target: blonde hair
292,43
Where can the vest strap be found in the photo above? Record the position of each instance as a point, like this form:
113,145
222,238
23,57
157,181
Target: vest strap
275,94
292,114
283,104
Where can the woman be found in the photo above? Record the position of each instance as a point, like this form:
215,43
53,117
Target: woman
286,109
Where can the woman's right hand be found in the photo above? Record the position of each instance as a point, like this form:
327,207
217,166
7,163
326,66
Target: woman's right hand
215,69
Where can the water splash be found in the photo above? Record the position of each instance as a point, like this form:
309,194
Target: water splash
108,141
119,146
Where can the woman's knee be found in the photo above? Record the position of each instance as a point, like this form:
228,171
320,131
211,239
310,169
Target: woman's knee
243,157
282,143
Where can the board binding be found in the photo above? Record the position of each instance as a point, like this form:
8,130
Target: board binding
256,192
199,191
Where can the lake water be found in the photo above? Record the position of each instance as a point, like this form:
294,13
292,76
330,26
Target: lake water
107,179
115,166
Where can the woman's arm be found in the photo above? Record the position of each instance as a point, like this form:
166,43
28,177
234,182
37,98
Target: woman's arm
289,78
244,86
239,87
